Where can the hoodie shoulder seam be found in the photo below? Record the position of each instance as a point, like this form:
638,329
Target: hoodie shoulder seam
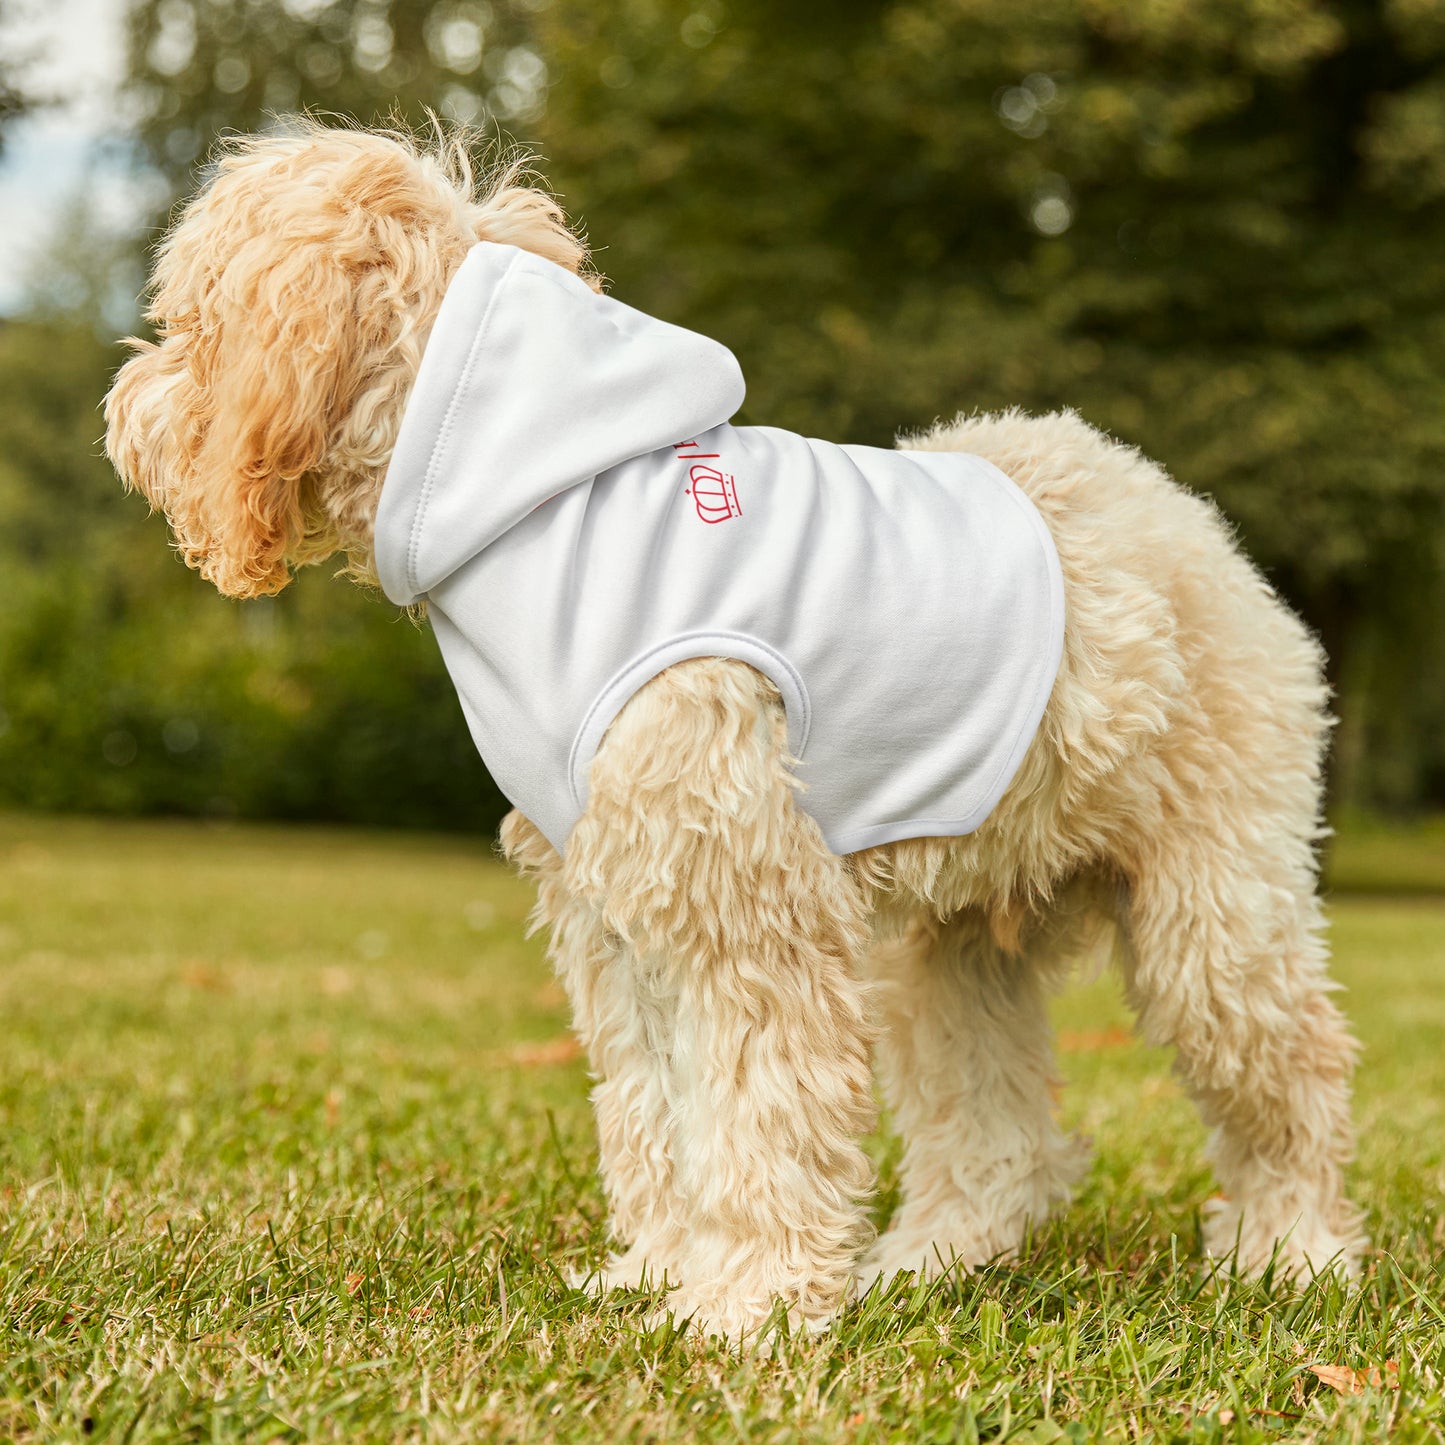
448,422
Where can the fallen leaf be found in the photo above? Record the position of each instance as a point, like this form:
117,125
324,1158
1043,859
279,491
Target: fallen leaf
354,1283
196,974
1083,1041
552,1051
1346,1381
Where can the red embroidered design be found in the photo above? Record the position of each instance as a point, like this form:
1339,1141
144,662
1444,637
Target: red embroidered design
714,492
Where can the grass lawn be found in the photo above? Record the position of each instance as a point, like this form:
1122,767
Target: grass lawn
293,1146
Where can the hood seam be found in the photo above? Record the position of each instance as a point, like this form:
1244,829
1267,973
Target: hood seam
432,466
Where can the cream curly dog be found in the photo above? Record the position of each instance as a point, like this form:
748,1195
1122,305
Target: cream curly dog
731,974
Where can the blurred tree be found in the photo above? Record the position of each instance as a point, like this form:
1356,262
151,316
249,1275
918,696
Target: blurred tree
128,685
1213,226
14,100
201,67
125,682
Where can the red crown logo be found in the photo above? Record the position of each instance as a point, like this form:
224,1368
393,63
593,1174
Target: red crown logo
714,494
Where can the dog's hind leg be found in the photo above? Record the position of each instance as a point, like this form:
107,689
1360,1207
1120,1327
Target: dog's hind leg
966,1062
694,855
1227,964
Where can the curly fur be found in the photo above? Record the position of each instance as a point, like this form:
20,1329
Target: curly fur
292,301
729,976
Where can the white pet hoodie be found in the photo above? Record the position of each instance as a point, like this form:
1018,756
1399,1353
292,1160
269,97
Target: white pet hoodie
567,494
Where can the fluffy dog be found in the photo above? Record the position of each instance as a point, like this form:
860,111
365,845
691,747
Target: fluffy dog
730,974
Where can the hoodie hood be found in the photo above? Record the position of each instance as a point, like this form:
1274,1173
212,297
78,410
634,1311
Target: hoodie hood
530,384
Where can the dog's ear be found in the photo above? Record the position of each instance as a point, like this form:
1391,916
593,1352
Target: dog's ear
279,297
222,422
147,410
293,299
276,357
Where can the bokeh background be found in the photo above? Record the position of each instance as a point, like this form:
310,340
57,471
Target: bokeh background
1214,227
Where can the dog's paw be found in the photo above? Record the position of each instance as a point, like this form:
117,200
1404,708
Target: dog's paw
928,1254
752,1324
1297,1245
636,1270
964,1229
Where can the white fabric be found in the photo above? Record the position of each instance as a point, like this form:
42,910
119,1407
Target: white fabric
568,495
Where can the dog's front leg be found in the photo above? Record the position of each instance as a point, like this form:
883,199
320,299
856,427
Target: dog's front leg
622,1012
743,932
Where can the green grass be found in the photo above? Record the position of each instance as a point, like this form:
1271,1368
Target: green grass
284,1155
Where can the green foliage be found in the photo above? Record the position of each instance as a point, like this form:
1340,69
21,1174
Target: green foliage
127,685
277,1162
12,105
14,101
1216,229
298,709
201,67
